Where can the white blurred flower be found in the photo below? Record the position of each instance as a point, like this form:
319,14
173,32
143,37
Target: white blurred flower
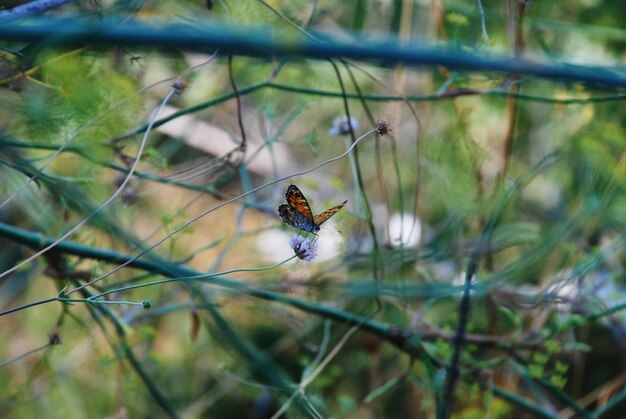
566,294
543,192
341,126
404,229
563,290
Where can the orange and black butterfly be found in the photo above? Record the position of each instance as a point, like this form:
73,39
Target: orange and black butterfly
297,212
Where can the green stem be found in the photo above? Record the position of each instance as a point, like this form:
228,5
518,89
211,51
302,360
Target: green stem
520,401
259,42
198,277
37,240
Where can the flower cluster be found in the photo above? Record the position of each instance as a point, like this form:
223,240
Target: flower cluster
304,248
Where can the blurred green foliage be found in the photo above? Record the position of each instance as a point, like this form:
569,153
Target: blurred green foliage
504,170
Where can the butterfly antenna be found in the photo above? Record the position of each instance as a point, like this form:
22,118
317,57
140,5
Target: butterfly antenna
331,229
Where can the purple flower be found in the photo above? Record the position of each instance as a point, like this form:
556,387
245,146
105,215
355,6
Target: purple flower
304,248
341,126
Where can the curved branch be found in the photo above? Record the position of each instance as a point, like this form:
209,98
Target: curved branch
259,42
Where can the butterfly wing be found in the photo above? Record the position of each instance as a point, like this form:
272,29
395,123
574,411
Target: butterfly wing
319,219
287,214
297,201
297,212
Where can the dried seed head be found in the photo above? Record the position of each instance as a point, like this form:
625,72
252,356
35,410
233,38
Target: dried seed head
129,196
383,127
54,338
180,85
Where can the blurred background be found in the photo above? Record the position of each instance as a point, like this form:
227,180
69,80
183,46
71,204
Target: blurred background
476,270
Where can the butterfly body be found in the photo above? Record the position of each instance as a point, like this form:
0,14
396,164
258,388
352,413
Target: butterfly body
297,211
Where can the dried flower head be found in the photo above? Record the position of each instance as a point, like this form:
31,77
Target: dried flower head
119,179
54,338
129,196
342,127
304,248
180,85
383,127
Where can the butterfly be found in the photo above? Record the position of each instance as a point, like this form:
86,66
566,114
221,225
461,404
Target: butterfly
297,212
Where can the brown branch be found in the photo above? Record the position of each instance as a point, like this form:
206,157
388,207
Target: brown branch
243,144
